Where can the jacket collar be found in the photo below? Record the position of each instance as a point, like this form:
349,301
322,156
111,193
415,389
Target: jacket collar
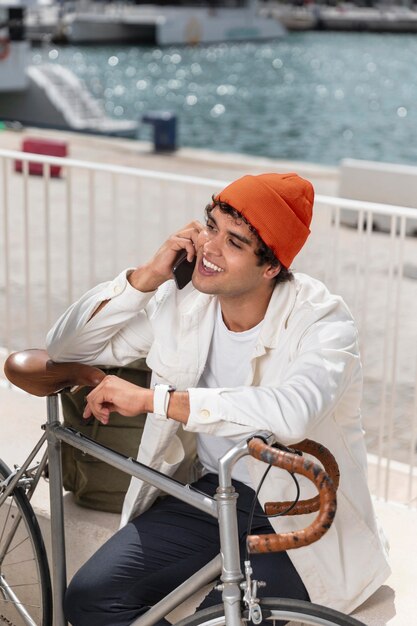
277,315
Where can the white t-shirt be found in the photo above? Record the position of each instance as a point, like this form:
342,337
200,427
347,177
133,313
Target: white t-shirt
228,365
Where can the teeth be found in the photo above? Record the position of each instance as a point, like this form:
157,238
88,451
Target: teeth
211,266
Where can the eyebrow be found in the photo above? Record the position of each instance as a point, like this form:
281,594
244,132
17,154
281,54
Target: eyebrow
241,238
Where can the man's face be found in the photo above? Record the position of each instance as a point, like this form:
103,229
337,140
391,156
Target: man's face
226,261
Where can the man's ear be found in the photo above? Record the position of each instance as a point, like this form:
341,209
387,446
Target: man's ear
271,271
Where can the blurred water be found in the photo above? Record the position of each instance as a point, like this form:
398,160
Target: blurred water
314,96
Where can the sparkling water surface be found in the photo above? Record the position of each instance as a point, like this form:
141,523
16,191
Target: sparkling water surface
314,96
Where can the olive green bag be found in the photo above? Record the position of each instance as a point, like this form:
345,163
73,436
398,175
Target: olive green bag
95,484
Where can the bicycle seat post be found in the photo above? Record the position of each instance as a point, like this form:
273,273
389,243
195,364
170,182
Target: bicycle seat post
59,569
226,497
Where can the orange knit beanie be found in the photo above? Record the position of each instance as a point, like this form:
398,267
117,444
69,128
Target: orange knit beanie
279,206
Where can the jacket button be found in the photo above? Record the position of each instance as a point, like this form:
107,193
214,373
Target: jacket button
205,413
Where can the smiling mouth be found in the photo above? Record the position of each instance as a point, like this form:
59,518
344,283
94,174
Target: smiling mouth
211,266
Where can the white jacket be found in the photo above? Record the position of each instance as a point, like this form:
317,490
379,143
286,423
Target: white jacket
305,381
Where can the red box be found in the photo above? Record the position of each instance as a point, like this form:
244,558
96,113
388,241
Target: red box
49,147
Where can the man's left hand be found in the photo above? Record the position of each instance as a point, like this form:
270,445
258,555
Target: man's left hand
116,394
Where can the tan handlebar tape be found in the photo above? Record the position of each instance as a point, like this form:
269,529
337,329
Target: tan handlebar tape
327,499
311,505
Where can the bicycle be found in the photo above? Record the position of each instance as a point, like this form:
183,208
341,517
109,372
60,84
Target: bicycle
25,585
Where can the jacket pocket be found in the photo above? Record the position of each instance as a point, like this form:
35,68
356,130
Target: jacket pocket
163,362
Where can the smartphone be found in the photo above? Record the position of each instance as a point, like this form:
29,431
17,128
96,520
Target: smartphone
183,269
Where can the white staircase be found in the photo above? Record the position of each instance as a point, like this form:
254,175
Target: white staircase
70,96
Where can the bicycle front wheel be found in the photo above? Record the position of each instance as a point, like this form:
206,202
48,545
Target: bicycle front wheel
277,612
25,585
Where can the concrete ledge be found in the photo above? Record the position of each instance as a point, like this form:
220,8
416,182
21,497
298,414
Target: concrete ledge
190,161
386,183
394,604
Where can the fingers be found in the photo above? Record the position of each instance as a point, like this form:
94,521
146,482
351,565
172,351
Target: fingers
158,269
184,244
114,394
99,401
193,227
186,238
100,411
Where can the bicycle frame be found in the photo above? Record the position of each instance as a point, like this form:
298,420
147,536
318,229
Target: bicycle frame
222,507
34,372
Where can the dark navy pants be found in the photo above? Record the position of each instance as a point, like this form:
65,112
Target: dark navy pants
160,549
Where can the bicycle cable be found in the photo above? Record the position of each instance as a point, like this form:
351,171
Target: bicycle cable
255,499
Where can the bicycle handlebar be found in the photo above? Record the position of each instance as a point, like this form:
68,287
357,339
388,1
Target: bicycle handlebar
326,498
311,505
34,372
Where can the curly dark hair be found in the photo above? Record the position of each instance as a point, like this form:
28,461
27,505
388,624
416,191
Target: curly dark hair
263,252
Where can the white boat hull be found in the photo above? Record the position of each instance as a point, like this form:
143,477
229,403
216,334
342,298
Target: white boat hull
171,25
205,26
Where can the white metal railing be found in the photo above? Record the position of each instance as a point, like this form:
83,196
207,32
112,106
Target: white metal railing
59,236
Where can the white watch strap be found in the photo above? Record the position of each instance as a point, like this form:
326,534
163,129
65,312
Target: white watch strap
161,399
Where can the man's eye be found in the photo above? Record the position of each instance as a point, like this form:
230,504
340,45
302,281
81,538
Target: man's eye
234,244
209,226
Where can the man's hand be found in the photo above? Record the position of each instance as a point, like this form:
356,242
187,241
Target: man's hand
116,394
150,276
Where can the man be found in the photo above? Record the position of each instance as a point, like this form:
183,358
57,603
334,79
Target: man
247,346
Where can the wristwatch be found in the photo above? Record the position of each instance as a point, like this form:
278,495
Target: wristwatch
161,399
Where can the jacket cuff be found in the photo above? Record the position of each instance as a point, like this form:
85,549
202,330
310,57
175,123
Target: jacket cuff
205,410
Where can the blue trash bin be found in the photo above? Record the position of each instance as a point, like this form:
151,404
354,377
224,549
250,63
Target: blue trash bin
164,130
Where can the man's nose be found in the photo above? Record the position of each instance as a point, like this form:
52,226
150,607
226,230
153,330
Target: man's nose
211,246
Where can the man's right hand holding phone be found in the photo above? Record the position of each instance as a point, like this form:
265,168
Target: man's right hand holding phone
159,269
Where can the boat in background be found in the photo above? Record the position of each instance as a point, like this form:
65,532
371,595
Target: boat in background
92,22
46,95
346,16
